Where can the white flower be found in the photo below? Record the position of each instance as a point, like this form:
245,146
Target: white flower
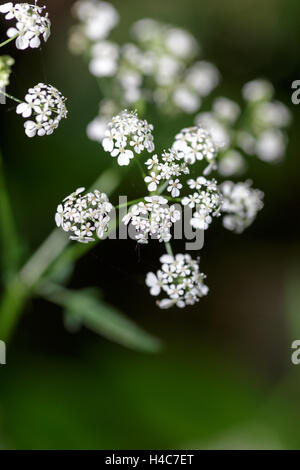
154,282
180,279
258,90
186,99
152,218
201,220
151,162
195,143
231,163
174,187
226,109
217,130
84,215
270,145
206,201
104,62
203,77
98,18
46,105
153,181
96,129
191,200
240,205
181,43
31,23
124,155
127,130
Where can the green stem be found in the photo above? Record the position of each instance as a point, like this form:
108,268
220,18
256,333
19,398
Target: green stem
129,203
8,232
169,248
9,40
11,97
22,285
162,187
11,307
137,161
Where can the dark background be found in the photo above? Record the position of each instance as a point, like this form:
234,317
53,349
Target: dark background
224,378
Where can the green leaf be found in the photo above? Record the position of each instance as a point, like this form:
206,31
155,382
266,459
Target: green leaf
106,320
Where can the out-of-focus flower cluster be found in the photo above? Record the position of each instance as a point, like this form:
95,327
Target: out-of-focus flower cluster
205,199
240,205
152,218
179,278
126,134
158,65
84,216
46,105
258,129
6,63
31,23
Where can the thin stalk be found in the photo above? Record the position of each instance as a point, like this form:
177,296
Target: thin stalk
11,97
9,40
129,203
162,187
169,248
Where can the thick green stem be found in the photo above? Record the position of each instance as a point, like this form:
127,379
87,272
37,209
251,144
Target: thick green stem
11,307
22,285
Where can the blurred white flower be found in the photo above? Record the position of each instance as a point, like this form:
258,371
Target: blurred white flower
231,163
186,99
270,145
226,110
273,114
240,205
258,90
104,62
219,133
203,77
98,18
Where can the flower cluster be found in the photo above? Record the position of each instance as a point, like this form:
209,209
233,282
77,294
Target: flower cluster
96,20
206,200
168,169
84,216
263,136
6,63
32,22
180,278
47,107
152,218
195,143
157,64
126,135
240,205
